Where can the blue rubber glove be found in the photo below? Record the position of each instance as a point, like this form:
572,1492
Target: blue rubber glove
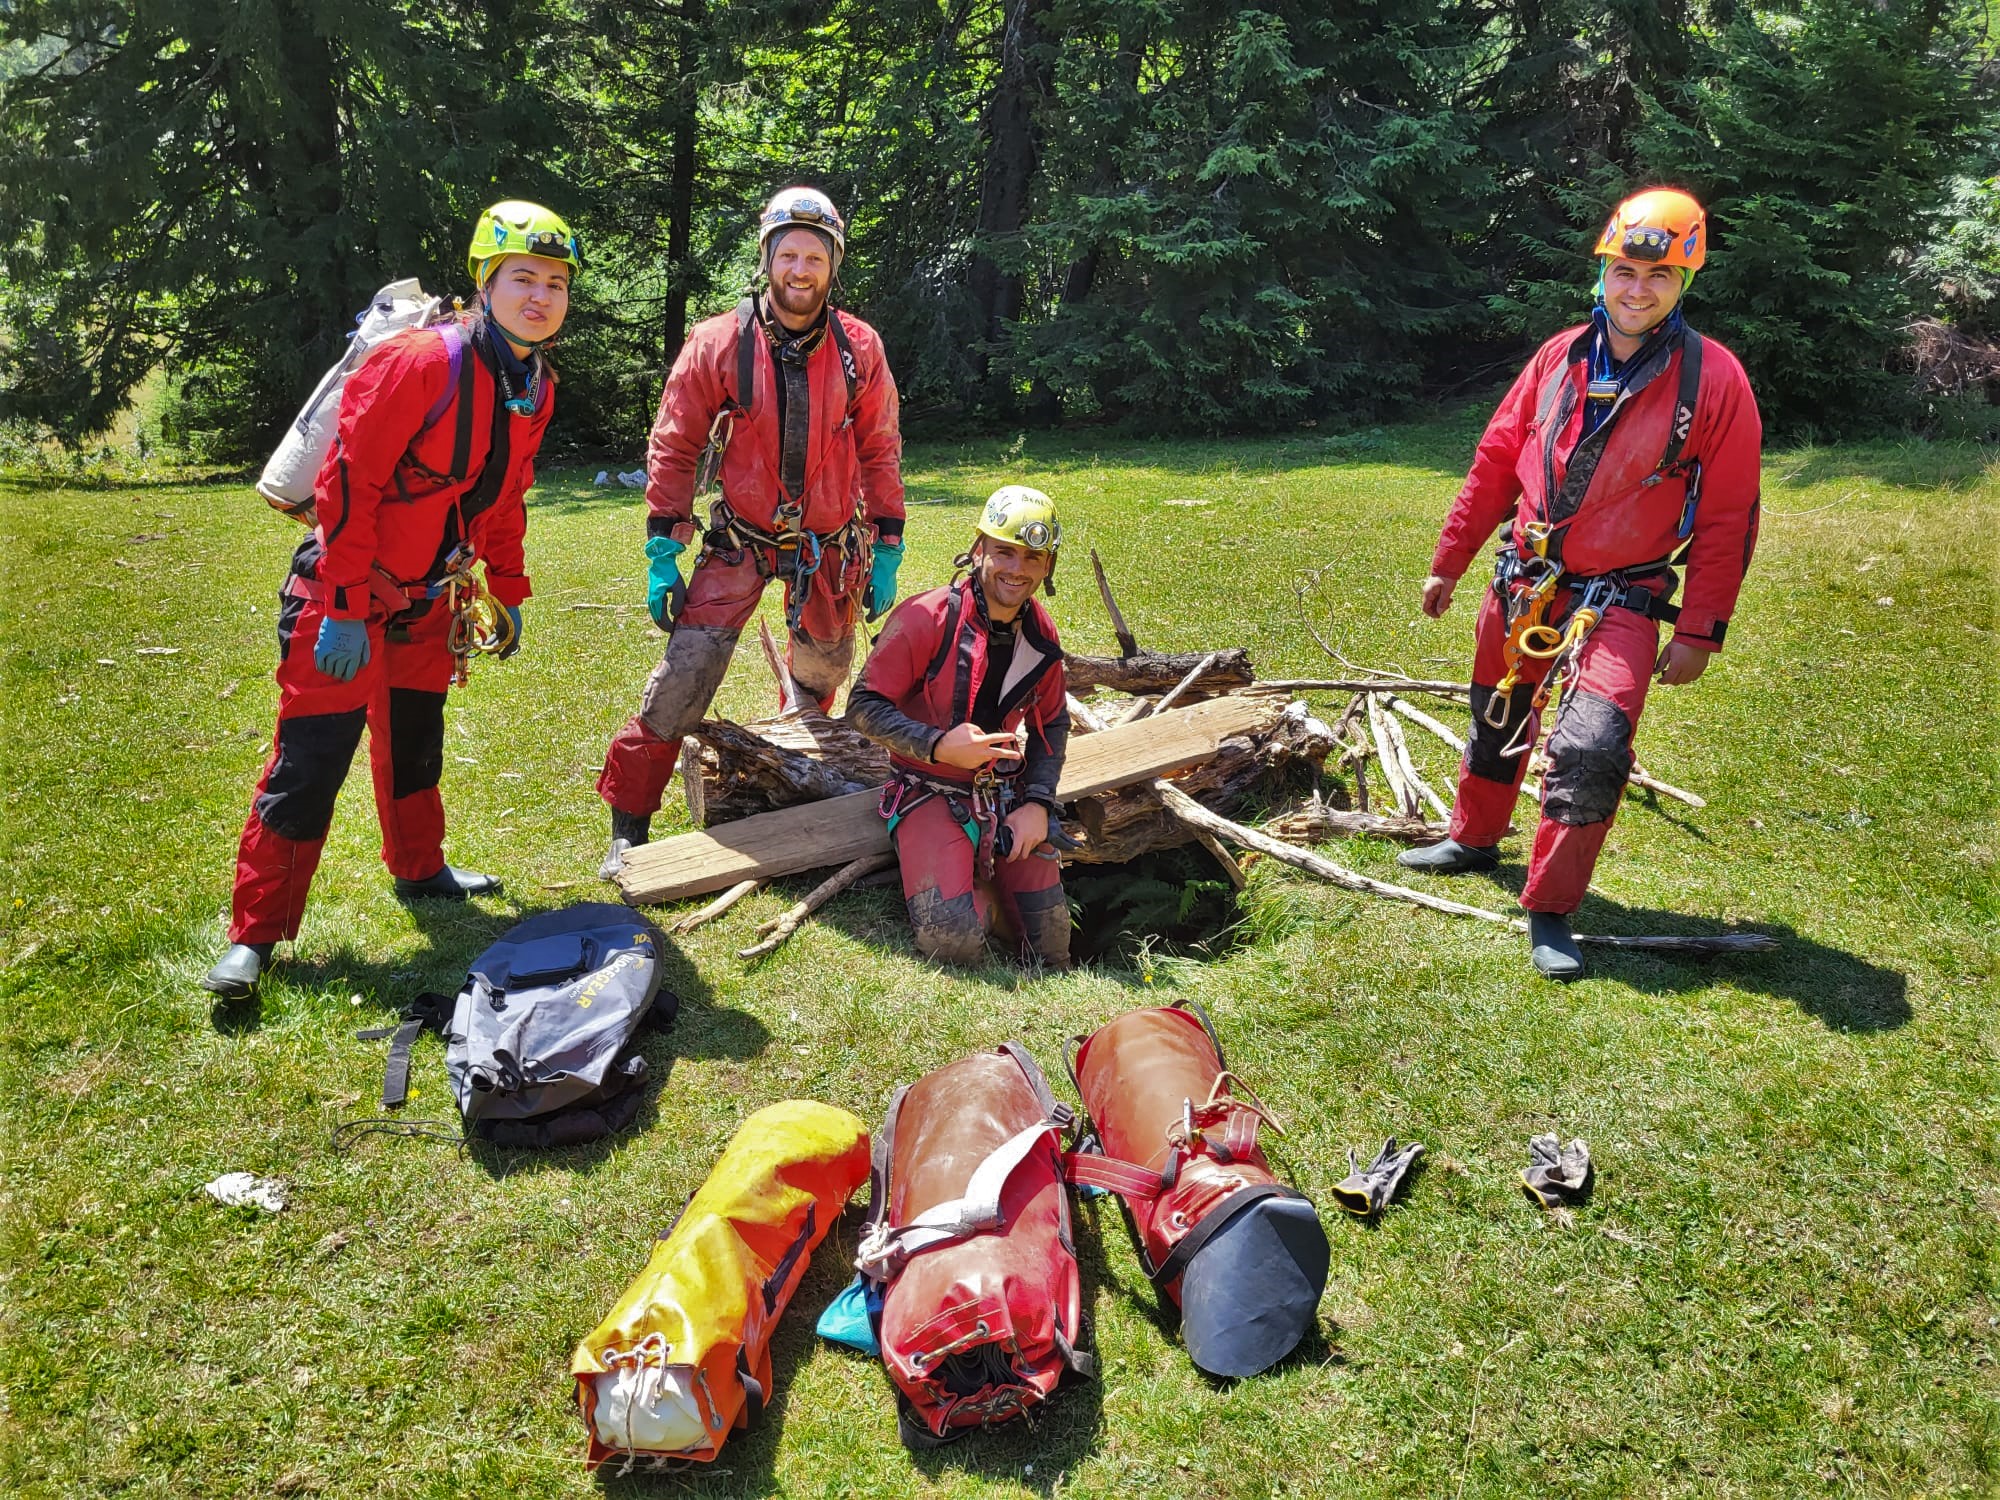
663,579
514,640
882,578
342,648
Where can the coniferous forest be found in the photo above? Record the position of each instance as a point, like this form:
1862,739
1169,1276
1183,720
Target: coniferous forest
1160,214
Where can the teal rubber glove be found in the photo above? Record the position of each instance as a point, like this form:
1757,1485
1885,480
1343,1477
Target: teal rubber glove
882,578
664,589
514,637
342,648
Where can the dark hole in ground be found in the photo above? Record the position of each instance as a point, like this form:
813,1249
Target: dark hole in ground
1172,900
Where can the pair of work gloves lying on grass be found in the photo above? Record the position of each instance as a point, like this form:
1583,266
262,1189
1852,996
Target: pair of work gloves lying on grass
1556,1175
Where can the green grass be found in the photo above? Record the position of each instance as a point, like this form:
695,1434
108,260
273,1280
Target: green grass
1785,1283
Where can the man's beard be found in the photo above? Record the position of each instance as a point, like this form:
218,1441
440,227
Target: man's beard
798,303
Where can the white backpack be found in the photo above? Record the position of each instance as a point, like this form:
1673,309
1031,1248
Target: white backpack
287,482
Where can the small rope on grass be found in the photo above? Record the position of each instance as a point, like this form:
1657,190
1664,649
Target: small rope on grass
430,1130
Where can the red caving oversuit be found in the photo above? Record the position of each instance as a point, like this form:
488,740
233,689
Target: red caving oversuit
386,500
924,677
1616,512
838,459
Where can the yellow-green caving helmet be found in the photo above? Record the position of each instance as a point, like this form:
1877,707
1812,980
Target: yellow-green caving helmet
517,227
1026,517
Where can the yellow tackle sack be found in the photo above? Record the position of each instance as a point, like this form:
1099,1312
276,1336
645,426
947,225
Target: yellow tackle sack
686,1354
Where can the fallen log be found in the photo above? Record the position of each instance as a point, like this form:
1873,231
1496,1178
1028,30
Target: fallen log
845,828
1315,825
1326,869
1156,672
1256,767
731,771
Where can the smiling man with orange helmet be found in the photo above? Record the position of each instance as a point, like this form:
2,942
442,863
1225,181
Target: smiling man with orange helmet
1627,449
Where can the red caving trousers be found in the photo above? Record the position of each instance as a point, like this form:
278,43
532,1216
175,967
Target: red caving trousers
400,697
951,913
721,596
1590,748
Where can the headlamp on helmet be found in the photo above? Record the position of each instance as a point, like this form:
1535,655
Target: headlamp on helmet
1661,226
516,227
801,208
1025,517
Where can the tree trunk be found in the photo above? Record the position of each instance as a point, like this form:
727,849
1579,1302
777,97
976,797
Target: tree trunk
1013,154
680,181
1155,672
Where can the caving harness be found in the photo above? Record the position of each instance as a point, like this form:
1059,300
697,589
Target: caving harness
1530,583
979,807
788,551
479,623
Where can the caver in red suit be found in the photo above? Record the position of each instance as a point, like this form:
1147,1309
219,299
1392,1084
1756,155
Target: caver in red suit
788,404
823,447
385,501
1637,468
934,667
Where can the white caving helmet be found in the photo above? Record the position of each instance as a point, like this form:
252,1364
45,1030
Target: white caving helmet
801,208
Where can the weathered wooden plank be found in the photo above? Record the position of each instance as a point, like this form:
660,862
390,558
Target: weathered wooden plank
841,829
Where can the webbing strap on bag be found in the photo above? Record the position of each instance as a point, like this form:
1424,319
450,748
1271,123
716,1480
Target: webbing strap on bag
883,1251
430,1011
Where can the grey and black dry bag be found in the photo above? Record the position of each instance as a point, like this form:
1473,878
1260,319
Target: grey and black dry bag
540,1042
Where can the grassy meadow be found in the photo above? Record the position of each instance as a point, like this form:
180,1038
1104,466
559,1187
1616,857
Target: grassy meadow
1786,1282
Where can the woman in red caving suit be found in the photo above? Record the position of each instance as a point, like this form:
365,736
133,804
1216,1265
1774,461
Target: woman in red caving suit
435,449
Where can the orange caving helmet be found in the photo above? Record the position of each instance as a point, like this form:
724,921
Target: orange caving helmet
1661,226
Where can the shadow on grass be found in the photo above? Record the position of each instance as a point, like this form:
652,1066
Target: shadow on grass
455,934
1915,464
1842,990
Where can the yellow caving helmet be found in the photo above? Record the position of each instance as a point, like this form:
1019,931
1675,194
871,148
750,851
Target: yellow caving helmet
1025,516
1661,226
517,227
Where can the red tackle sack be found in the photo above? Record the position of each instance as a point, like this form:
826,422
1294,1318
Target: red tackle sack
969,1236
1242,1254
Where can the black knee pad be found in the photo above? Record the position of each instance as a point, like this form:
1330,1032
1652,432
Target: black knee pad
1590,758
416,740
314,752
1045,923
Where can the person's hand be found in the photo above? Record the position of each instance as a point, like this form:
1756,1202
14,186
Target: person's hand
664,587
342,648
969,747
887,558
1437,595
1029,824
1681,663
514,636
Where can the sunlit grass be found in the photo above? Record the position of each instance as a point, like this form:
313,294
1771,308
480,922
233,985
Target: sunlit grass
1784,1283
